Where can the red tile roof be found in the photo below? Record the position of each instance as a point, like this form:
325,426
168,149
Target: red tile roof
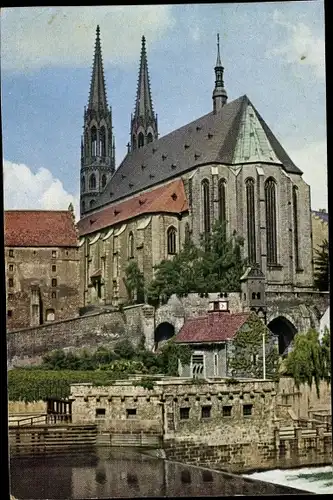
40,228
215,327
170,198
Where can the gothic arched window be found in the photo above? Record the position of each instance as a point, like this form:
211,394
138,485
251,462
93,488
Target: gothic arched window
141,140
94,141
130,245
92,203
171,237
251,221
295,214
271,237
103,180
102,142
92,181
205,205
222,201
150,137
83,184
86,143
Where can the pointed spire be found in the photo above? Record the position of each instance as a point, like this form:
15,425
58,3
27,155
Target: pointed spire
219,93
218,59
143,104
97,96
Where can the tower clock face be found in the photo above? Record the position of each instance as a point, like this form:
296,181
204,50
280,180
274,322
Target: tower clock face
223,306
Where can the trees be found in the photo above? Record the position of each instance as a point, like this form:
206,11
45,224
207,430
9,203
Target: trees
321,262
215,265
309,361
134,283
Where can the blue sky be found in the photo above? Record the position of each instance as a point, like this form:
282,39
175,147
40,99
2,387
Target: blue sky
273,52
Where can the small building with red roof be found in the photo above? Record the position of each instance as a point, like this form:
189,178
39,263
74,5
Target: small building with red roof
212,337
42,267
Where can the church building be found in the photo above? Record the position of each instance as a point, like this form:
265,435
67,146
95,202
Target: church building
225,165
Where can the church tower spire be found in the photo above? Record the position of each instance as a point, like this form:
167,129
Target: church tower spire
97,143
144,121
219,93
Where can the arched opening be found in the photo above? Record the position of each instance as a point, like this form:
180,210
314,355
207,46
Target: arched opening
251,224
163,332
83,184
141,140
86,143
205,206
92,181
222,200
130,245
83,206
50,315
150,137
92,203
94,141
103,180
271,234
285,331
102,142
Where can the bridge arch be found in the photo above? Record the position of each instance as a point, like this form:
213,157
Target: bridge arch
163,332
284,328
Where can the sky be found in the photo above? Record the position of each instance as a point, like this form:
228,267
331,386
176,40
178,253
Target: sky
274,52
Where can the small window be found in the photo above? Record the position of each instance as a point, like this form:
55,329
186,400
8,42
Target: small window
258,295
10,296
206,411
54,254
207,476
185,476
11,268
247,410
66,252
50,315
132,479
9,313
253,295
226,411
184,413
54,269
54,282
54,295
197,365
131,413
11,253
254,359
10,282
100,412
244,296
216,306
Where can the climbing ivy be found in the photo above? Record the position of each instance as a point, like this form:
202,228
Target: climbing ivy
247,356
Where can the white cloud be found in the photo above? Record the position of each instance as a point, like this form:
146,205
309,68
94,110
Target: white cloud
300,46
312,160
35,37
41,191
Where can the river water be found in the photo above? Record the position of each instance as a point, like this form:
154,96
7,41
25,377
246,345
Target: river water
313,479
115,473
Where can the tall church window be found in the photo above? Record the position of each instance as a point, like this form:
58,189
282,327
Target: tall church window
171,240
141,140
92,181
271,237
251,222
150,137
295,214
222,200
130,245
205,206
102,142
94,141
83,184
103,180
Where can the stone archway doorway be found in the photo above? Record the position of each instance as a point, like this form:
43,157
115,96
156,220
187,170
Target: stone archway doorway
163,333
285,332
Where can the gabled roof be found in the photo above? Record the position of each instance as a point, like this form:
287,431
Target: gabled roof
215,327
169,198
209,139
40,228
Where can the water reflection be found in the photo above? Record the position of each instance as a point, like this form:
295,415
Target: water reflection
124,473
